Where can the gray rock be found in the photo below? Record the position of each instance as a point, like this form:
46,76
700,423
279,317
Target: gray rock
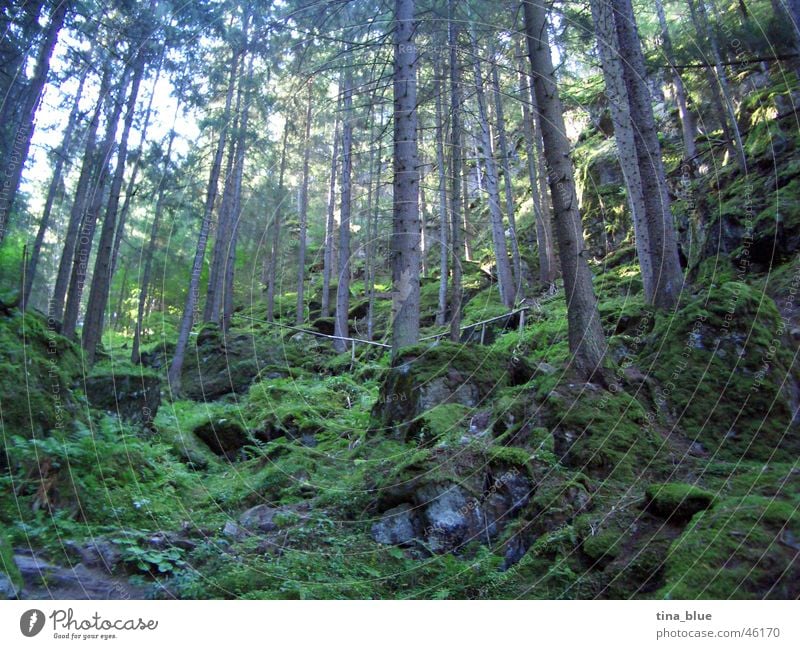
233,531
397,526
7,588
259,518
134,397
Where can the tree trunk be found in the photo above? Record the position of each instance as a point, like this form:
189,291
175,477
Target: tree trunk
624,136
275,249
537,178
505,278
372,237
20,145
131,187
688,126
719,84
665,262
586,339
236,206
301,253
213,306
455,174
187,319
330,226
80,204
406,234
62,155
441,312
343,284
144,285
101,278
509,195
83,249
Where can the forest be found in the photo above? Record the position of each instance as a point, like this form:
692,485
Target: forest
399,299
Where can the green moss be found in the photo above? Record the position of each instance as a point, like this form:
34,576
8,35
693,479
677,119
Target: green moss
741,549
676,501
38,370
445,421
604,433
7,565
722,369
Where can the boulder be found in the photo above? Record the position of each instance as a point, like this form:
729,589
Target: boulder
397,526
224,436
444,516
422,378
259,518
133,396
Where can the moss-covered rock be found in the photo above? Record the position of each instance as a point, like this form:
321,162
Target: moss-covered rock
38,370
725,374
133,394
742,548
676,501
424,377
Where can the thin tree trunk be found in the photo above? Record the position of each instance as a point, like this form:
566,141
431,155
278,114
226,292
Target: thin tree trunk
341,329
330,225
18,151
83,250
121,297
537,179
504,275
423,240
406,235
688,126
586,339
665,261
718,83
506,165
301,253
101,278
213,306
144,285
131,186
62,155
625,139
80,203
455,175
236,207
373,234
185,328
276,231
441,312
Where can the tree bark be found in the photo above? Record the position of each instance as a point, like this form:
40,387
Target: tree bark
83,249
301,252
343,284
275,249
101,278
619,106
441,312
406,235
455,173
236,203
537,178
504,160
688,126
144,285
79,204
665,262
330,225
20,145
62,155
187,319
586,339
